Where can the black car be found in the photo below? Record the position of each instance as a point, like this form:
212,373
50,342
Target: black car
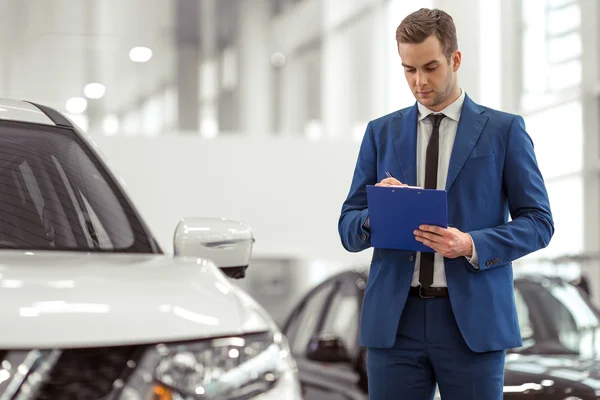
559,359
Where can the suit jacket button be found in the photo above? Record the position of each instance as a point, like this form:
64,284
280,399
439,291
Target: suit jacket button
411,258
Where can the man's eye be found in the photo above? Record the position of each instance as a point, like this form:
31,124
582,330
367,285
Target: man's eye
431,69
410,70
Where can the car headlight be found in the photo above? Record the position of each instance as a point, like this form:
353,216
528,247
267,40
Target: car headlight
225,369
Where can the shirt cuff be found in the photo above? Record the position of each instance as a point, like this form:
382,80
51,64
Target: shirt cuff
473,260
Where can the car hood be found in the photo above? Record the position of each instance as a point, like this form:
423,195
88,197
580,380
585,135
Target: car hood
67,299
552,375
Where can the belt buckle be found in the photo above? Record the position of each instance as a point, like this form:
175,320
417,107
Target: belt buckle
421,293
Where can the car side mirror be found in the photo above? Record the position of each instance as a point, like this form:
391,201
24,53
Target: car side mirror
327,348
228,244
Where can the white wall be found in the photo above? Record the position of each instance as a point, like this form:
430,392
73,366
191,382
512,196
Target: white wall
290,191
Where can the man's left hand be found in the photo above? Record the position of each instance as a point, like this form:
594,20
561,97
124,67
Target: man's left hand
448,242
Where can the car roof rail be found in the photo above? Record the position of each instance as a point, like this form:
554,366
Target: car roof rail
55,116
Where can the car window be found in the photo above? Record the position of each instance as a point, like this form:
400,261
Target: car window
343,315
96,234
56,195
304,322
561,314
525,324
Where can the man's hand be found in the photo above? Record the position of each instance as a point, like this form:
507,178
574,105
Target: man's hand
390,182
449,242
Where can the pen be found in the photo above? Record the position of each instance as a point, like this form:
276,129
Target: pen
388,174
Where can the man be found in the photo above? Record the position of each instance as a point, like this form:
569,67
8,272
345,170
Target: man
446,318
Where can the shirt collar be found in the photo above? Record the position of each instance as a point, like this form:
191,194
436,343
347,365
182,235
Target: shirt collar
451,111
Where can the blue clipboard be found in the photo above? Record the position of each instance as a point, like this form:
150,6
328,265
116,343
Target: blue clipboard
395,212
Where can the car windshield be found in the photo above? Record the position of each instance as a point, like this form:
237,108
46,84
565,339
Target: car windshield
56,195
555,317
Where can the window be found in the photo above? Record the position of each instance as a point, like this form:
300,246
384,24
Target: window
551,50
525,324
562,320
558,131
563,18
31,186
555,312
305,320
85,214
54,195
343,316
566,202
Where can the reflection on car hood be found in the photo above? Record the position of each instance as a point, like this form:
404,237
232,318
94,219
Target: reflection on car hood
58,299
552,375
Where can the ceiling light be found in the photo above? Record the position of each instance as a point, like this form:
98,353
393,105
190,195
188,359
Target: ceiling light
76,105
94,90
140,54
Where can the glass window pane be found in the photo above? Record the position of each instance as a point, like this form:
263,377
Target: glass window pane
532,13
564,48
548,134
535,67
565,75
566,202
343,316
563,315
32,186
304,324
564,19
56,196
525,324
100,236
551,47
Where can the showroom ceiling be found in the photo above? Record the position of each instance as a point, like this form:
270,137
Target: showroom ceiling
50,49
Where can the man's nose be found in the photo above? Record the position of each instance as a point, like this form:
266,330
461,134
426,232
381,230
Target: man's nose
421,79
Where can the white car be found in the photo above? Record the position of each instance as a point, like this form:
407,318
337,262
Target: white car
91,308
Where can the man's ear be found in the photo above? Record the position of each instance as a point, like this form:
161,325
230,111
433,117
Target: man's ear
456,60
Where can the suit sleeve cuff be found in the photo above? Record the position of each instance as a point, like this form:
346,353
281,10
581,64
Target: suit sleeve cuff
474,259
365,231
367,224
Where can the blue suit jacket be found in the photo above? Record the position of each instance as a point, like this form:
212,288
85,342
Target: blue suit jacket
493,172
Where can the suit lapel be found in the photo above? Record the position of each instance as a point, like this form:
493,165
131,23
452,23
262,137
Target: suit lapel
405,143
469,129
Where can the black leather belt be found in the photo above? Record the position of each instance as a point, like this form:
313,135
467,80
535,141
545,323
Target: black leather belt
428,293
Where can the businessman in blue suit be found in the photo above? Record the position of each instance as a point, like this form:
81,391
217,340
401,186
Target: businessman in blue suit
448,316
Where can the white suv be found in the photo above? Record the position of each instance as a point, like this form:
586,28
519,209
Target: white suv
90,306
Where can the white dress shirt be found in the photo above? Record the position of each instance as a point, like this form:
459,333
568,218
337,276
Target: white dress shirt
448,128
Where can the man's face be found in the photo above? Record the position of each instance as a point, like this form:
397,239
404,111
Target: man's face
429,75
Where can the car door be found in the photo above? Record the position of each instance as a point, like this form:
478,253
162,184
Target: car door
333,309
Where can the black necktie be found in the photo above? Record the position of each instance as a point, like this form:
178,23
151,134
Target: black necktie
431,167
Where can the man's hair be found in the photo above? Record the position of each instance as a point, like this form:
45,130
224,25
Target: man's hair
420,25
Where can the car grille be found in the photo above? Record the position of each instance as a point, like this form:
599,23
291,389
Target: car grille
71,374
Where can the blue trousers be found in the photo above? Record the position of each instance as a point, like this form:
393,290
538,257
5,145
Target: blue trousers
429,349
